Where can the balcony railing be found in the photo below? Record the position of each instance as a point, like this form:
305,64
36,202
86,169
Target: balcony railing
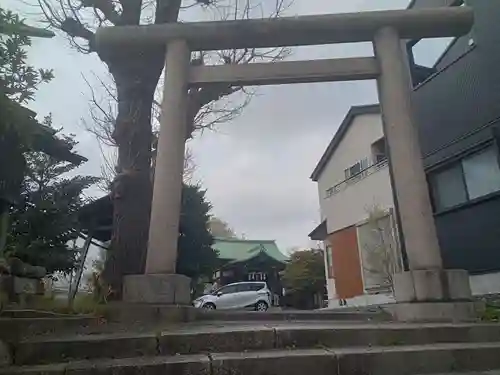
356,178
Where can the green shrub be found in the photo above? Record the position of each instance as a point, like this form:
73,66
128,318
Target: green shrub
491,313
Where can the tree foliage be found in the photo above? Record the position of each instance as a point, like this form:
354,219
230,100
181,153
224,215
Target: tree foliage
44,219
20,132
220,228
19,80
196,256
305,272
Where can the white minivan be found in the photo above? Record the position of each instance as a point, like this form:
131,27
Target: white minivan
244,295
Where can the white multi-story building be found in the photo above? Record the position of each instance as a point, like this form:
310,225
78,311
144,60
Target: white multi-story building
357,206
358,222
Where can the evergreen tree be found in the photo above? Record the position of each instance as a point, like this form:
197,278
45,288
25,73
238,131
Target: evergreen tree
196,256
44,219
20,132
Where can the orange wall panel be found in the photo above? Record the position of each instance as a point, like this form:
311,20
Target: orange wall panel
346,263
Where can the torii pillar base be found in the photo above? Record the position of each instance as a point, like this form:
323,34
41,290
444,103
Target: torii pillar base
167,289
433,295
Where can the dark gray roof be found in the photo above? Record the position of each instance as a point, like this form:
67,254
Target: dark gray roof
319,233
339,135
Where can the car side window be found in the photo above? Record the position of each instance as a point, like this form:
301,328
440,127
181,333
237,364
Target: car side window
244,287
228,289
256,287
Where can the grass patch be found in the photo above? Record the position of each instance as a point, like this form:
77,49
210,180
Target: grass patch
491,313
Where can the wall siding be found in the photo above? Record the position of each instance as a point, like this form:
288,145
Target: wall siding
456,110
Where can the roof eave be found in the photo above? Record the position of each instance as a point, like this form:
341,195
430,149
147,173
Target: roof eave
237,261
319,233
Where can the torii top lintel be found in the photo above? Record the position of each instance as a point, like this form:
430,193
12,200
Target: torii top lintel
292,31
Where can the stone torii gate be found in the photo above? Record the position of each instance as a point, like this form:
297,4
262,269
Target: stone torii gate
426,280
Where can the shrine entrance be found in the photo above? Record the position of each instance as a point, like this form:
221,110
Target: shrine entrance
425,280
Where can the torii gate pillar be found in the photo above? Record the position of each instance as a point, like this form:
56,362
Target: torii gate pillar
160,283
426,281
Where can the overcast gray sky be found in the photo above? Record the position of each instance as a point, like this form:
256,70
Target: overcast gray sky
256,168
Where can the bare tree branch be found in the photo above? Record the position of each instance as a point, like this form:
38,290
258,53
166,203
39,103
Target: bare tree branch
131,14
108,167
189,166
101,125
72,17
75,29
102,114
167,10
208,106
107,8
80,18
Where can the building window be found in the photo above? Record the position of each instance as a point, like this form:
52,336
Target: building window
482,173
448,188
352,170
472,177
257,276
329,261
427,52
355,169
379,151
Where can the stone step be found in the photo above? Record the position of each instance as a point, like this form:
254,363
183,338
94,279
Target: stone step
29,313
336,315
161,313
399,360
16,328
226,337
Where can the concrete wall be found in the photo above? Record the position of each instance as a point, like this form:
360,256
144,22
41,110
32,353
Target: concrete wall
480,284
345,208
362,300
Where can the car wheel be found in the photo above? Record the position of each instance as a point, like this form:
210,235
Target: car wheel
261,306
209,306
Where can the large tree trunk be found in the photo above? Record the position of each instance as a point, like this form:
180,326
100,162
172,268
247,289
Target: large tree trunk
136,80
